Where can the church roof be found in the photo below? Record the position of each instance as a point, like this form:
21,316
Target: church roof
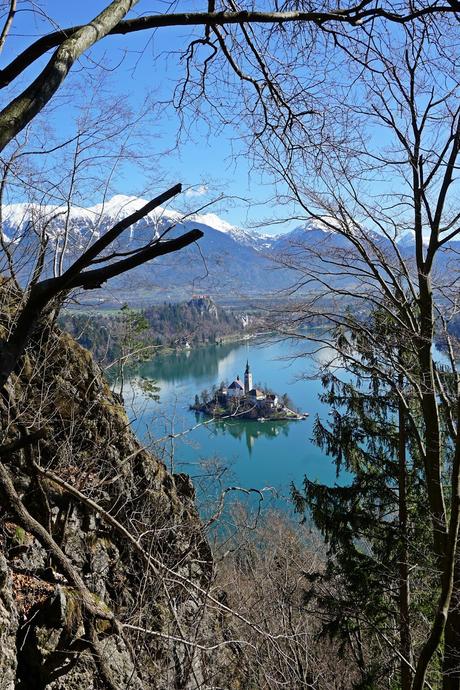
236,384
257,393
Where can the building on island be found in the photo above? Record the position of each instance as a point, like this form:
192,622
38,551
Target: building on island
255,395
235,389
247,379
244,400
271,401
247,393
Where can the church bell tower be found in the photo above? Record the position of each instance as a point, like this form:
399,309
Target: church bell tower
247,379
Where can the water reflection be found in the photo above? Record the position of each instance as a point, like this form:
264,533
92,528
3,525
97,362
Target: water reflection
260,454
248,430
200,363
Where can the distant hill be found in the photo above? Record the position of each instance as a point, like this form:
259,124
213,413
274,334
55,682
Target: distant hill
178,325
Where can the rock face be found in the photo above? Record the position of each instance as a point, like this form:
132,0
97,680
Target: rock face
8,628
48,639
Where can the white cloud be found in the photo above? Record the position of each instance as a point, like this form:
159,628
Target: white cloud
200,190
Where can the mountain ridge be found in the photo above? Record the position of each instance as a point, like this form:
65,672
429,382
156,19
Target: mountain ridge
228,259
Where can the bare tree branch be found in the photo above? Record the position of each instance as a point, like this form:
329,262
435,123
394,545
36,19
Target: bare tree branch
43,293
8,23
17,114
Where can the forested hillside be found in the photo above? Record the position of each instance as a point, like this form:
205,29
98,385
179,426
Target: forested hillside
146,331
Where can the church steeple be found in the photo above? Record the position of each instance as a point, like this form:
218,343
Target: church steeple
247,378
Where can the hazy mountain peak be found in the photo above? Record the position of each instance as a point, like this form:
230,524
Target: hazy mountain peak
406,238
214,221
119,205
174,277
326,223
113,209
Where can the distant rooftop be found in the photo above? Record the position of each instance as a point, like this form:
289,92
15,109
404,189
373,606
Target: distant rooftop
236,384
256,392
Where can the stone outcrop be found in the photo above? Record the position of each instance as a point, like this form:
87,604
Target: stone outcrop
8,628
82,435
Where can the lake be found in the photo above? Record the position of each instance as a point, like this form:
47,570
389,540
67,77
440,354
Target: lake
251,454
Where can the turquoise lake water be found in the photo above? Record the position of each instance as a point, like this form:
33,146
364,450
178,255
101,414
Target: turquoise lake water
247,453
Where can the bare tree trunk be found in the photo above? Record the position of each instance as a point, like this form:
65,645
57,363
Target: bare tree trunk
447,578
451,662
404,588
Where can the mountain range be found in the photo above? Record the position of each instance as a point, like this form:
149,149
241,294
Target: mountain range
228,262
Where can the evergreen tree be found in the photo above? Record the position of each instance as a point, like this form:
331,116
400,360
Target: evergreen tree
378,578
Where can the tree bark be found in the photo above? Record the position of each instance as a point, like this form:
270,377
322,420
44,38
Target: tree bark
447,566
33,99
404,587
451,661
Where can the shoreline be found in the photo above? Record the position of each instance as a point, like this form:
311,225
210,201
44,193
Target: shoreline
224,340
226,414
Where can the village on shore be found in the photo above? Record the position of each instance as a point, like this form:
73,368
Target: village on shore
244,401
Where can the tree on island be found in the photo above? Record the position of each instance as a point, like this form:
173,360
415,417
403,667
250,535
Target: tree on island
204,395
286,401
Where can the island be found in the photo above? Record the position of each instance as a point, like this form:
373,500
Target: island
242,400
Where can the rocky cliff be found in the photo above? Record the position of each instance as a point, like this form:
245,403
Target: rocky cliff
103,564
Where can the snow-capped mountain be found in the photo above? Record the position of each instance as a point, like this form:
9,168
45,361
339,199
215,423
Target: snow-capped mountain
228,261
94,220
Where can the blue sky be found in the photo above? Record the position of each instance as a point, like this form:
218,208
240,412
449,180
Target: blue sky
211,161
145,67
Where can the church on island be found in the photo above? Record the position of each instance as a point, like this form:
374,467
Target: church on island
246,391
241,399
